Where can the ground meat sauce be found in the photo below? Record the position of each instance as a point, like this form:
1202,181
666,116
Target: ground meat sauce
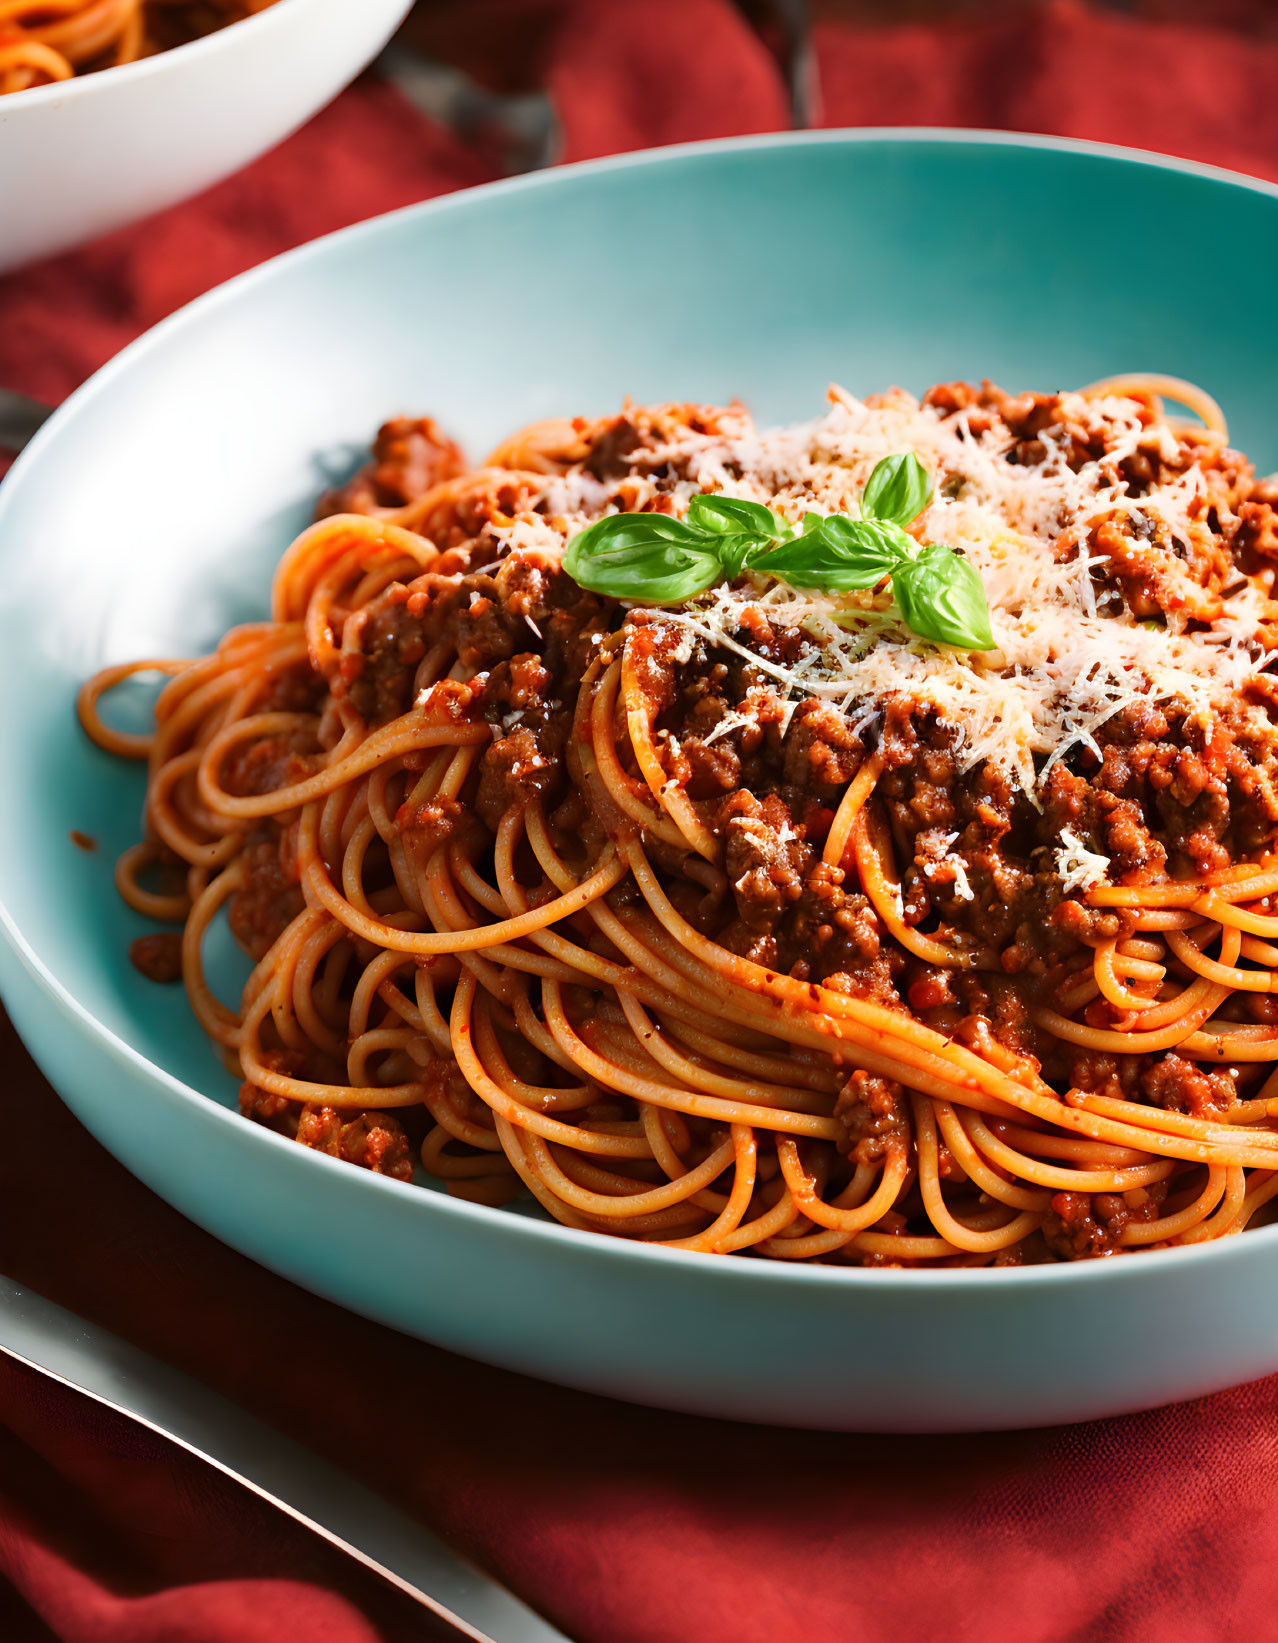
409,456
375,1140
157,956
1160,791
271,897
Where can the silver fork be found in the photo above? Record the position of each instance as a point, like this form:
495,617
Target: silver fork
75,1353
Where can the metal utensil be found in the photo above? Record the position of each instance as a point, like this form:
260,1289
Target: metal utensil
524,126
47,1338
798,61
20,418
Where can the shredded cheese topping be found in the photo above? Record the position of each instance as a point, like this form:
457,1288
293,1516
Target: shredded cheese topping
1078,867
1070,655
1040,526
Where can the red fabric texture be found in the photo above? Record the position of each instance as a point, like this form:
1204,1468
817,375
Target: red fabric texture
625,1525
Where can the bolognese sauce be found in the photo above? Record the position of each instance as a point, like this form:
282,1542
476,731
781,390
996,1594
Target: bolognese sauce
757,921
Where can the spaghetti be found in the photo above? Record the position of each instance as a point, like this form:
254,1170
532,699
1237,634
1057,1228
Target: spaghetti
43,41
757,923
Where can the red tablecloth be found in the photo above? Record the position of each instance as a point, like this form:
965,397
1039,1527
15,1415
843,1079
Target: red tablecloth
625,1525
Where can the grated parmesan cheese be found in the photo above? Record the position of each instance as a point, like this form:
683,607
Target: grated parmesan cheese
958,868
1064,666
1078,867
1071,654
735,719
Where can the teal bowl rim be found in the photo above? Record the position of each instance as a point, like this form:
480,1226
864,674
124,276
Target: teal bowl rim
593,1244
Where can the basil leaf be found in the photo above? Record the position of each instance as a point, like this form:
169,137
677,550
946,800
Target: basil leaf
899,489
733,552
647,556
836,556
730,515
879,536
941,598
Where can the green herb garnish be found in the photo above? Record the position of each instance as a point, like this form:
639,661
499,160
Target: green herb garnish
659,560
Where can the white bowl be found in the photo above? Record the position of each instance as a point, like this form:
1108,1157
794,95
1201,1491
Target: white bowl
84,156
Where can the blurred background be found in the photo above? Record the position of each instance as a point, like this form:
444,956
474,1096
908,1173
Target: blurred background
471,90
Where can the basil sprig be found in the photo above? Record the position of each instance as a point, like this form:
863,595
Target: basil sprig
660,560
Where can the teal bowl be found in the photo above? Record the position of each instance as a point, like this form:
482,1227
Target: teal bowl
147,516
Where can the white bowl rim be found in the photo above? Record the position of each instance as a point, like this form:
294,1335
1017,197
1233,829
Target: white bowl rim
593,1244
85,85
